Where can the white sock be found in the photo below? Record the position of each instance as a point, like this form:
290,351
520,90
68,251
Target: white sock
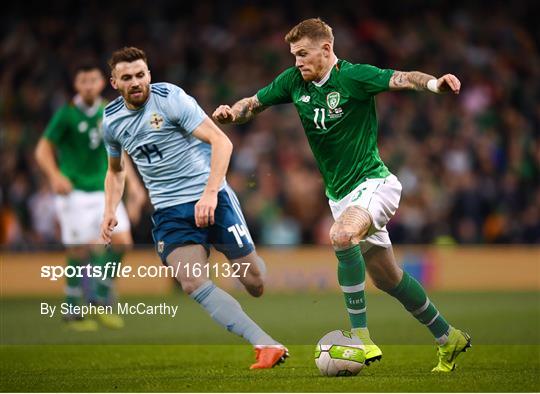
227,312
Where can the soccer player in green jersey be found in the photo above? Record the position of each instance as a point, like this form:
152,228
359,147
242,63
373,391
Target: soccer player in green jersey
78,177
336,104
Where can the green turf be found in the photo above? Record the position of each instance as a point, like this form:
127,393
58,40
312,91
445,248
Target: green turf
224,368
191,353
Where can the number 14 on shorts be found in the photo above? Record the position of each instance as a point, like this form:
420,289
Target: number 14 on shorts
239,231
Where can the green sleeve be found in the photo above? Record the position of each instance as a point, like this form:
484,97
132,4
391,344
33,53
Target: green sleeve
56,127
279,91
364,80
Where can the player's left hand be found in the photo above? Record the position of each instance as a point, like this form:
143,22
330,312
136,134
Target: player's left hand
205,208
449,83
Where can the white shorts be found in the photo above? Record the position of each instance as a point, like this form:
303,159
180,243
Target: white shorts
80,215
380,197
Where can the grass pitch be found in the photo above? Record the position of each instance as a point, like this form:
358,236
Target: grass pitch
191,353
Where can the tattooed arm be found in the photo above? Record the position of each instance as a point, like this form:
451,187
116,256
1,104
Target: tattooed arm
416,80
412,80
241,112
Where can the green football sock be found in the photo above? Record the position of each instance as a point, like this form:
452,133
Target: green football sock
73,288
103,286
414,298
351,278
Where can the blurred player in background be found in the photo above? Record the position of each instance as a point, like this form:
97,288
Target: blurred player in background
336,103
183,158
77,176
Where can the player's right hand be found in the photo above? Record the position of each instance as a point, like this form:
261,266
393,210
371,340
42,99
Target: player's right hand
61,185
223,114
107,227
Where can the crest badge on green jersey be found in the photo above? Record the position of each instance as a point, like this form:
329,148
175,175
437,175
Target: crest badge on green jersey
332,99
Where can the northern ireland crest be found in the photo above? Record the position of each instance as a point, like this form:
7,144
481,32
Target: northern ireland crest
156,120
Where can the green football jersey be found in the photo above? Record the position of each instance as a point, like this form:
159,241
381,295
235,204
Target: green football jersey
339,119
82,157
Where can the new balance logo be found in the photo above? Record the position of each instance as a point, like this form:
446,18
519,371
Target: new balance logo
304,99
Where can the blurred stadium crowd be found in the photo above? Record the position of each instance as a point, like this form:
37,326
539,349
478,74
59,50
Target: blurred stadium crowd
469,165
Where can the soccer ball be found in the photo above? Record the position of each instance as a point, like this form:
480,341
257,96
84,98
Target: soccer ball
340,353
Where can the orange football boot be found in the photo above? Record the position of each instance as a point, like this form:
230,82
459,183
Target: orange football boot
269,356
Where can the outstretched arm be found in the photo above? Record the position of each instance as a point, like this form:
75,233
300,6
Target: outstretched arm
416,80
114,188
241,112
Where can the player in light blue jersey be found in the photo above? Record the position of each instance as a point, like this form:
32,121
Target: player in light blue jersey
182,157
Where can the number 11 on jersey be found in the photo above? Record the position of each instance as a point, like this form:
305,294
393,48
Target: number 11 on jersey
322,111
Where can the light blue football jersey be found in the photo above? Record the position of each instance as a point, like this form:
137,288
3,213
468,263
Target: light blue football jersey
174,165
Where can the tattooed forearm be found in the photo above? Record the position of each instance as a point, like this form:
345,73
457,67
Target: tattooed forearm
246,109
414,80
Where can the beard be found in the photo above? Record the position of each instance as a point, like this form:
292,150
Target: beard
137,97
